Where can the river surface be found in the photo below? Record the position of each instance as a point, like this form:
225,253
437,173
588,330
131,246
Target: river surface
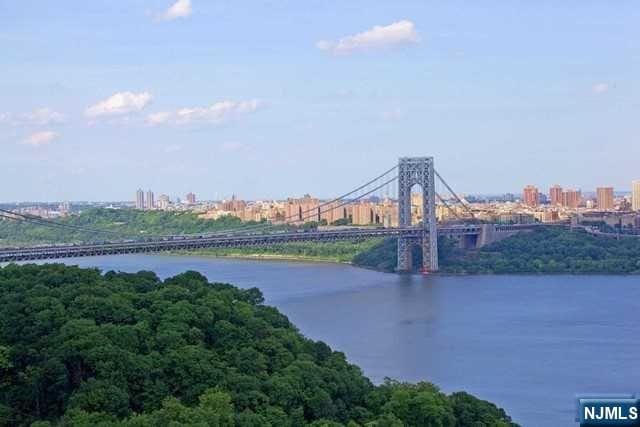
527,343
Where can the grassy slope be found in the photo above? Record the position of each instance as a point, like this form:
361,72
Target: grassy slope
342,252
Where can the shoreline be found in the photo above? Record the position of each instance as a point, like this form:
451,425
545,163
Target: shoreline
263,257
317,260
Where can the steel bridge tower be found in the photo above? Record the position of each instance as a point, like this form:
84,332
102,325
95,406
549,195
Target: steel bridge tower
412,171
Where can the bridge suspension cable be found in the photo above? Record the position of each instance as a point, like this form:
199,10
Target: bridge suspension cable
314,212
453,193
301,216
446,205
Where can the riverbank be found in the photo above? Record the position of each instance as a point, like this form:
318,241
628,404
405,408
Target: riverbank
342,252
261,256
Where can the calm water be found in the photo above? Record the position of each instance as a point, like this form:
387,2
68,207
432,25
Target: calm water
527,343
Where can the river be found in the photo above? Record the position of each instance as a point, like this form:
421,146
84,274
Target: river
526,343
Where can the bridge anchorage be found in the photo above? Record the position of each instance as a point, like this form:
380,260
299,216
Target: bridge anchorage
419,171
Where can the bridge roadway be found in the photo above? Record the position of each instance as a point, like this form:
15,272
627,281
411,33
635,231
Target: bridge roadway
228,241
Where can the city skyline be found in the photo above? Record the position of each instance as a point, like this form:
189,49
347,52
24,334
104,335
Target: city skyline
634,189
308,98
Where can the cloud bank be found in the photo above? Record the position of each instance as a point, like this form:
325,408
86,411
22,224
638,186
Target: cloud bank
217,113
379,37
41,138
120,103
44,116
39,117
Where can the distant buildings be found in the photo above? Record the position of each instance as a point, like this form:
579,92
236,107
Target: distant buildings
303,209
148,201
571,198
635,195
233,205
164,202
530,196
566,198
560,204
555,195
64,208
151,203
139,199
604,196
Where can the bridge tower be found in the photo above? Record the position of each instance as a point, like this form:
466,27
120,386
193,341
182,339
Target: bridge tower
412,171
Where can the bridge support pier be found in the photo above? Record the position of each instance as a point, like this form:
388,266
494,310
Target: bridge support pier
405,258
420,171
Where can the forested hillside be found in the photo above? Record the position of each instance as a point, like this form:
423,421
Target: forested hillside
81,348
122,223
546,250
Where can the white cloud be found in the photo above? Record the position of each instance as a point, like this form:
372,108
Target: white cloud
379,37
41,138
120,103
39,117
180,9
44,116
217,113
159,118
600,87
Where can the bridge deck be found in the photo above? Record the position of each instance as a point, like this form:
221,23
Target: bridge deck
225,241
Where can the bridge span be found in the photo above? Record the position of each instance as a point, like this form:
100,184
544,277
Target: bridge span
481,234
411,232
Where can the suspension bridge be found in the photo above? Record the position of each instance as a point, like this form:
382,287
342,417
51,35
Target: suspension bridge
407,174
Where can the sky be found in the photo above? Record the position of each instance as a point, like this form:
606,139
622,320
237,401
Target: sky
269,99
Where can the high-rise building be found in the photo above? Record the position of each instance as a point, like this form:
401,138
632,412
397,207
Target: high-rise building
605,198
234,205
302,210
151,202
555,195
163,201
64,208
571,198
191,198
139,199
635,195
530,196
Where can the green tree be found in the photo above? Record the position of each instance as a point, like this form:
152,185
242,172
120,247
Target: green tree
82,349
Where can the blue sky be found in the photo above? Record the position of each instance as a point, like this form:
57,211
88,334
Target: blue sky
277,98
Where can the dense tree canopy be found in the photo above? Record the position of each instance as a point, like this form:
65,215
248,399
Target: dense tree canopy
81,348
122,223
550,250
